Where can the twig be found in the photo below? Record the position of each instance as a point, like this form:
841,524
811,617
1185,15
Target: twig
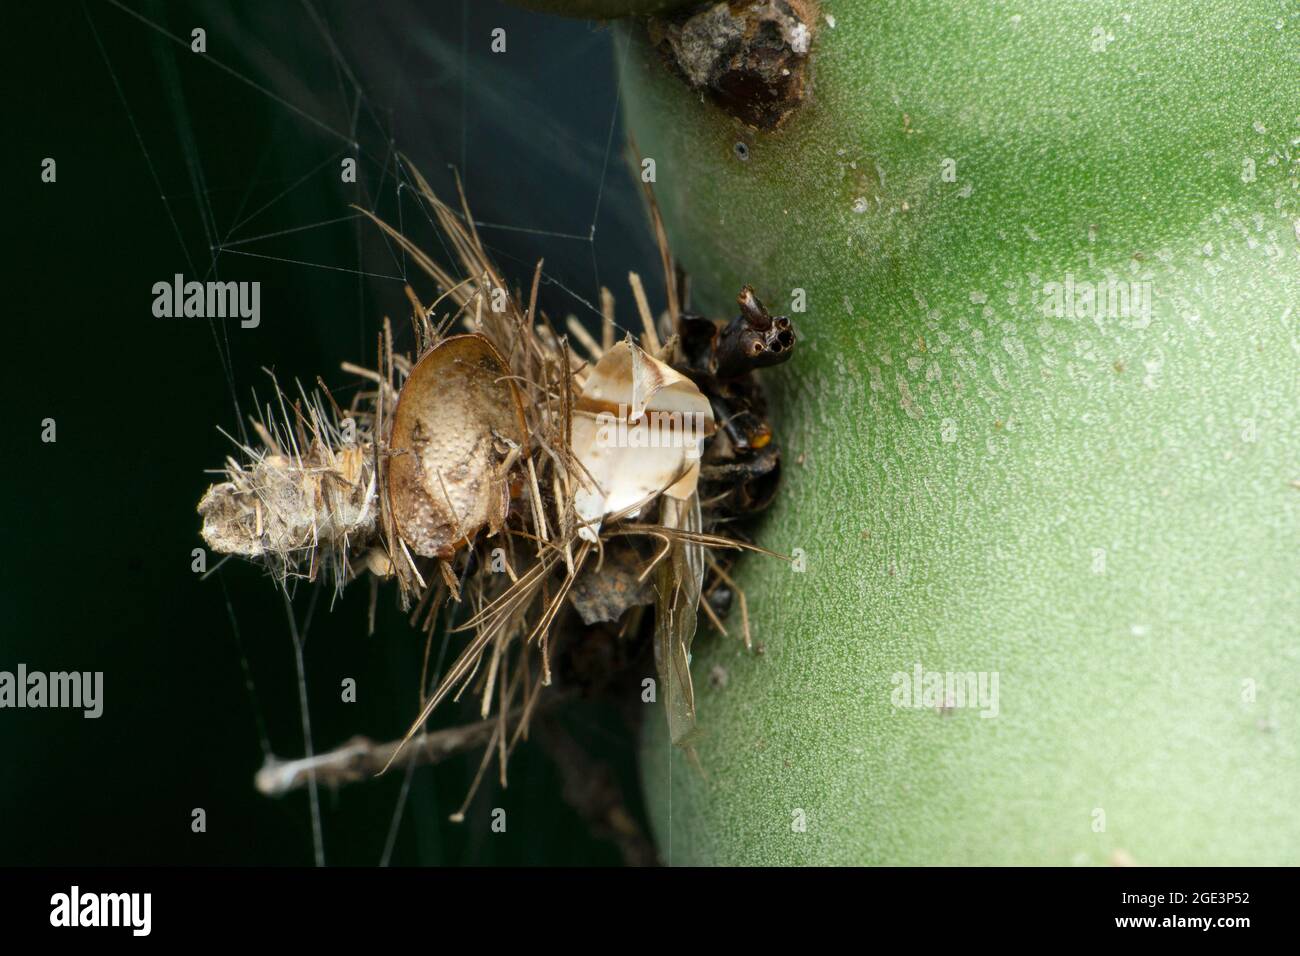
361,758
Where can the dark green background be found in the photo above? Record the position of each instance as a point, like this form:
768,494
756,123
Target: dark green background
98,528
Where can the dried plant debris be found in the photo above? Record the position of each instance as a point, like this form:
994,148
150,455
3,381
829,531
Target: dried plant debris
607,596
579,506
305,498
749,57
740,469
638,429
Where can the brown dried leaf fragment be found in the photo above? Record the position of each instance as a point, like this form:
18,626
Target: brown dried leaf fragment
458,428
606,596
750,57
